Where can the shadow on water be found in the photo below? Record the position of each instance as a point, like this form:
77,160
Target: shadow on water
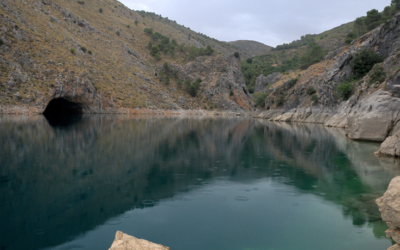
63,121
71,181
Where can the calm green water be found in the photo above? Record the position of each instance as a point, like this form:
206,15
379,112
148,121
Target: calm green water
234,183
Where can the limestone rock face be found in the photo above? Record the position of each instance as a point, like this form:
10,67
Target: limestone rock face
126,242
262,81
389,206
222,81
373,118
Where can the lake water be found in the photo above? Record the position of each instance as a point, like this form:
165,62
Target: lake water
198,183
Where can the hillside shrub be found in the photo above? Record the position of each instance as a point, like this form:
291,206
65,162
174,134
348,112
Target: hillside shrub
72,50
117,33
101,10
83,49
166,68
345,90
249,60
81,2
236,54
1,42
259,98
311,90
89,52
350,37
363,62
314,98
148,31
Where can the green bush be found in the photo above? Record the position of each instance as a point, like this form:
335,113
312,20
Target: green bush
311,90
314,98
363,62
259,98
236,54
72,50
81,2
166,80
89,52
101,10
350,37
83,49
154,51
249,60
166,68
148,31
117,33
136,22
377,74
345,90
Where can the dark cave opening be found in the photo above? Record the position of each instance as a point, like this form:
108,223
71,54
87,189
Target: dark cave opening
61,106
63,113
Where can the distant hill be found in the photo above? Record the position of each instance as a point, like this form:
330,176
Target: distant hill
252,48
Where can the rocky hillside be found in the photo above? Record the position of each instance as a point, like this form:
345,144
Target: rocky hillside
251,48
96,54
331,93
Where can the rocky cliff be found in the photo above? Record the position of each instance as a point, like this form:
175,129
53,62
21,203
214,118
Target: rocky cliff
95,54
372,111
389,206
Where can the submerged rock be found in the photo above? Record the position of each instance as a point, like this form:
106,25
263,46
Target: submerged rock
126,242
389,206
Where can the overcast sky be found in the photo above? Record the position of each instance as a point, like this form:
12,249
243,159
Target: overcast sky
271,22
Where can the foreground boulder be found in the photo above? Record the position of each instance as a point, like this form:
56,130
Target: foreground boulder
389,206
126,242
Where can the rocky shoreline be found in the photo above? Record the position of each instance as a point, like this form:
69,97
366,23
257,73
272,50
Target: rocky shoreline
389,206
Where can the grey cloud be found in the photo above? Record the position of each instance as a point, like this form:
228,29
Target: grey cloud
269,22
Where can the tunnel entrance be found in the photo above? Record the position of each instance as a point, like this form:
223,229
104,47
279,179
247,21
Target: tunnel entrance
61,112
61,106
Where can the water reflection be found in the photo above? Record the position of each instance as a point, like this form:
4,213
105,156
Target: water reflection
57,183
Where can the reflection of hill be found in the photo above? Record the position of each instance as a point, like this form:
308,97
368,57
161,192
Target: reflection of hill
331,166
68,180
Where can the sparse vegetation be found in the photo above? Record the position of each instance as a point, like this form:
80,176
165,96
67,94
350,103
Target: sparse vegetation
101,10
314,54
81,2
83,49
118,33
236,54
72,50
1,42
378,74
